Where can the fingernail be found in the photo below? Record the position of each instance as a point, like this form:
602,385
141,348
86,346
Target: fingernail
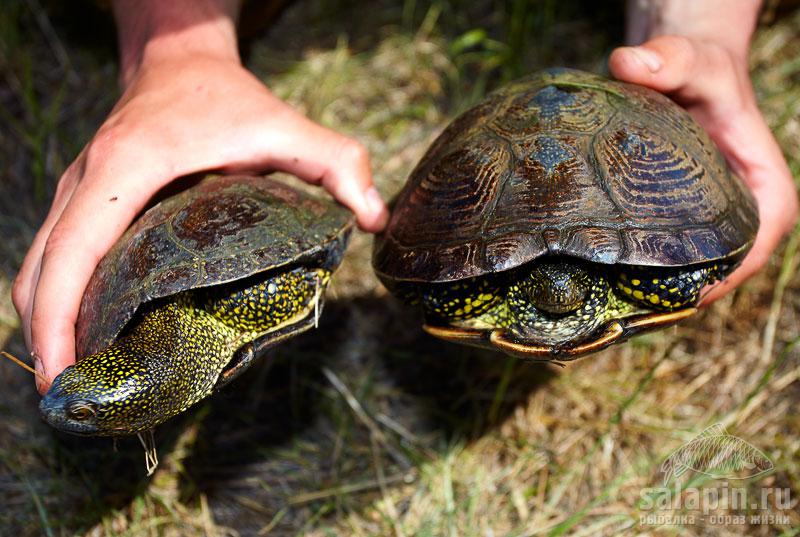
374,200
649,58
39,367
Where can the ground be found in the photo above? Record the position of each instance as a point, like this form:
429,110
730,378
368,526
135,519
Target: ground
367,426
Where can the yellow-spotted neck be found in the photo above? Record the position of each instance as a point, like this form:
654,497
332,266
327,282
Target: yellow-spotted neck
174,354
558,302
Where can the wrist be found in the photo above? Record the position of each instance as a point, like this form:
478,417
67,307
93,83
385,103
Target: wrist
152,31
727,23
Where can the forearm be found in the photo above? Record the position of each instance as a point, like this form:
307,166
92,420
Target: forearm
153,30
729,23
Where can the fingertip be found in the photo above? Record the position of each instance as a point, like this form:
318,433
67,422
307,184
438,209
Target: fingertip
664,63
53,344
42,381
377,215
752,265
634,64
712,293
49,368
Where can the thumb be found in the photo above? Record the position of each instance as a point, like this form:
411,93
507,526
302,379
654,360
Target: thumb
692,72
295,144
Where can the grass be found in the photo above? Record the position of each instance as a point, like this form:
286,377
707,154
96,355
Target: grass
367,426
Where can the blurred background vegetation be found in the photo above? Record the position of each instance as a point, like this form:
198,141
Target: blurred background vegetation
367,426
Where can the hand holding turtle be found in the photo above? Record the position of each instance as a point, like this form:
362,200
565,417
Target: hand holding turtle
693,56
188,106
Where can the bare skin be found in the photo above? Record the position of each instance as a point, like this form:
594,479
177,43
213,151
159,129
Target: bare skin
696,52
188,105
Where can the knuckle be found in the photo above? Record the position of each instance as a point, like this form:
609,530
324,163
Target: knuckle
19,294
790,210
57,243
101,149
759,261
354,152
96,154
70,178
683,48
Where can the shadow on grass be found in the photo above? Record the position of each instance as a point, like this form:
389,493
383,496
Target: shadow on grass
284,445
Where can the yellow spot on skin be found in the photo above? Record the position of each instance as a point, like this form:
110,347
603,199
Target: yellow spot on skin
636,282
211,326
638,294
673,290
655,281
654,299
666,303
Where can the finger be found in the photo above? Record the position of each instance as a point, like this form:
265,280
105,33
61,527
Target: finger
95,217
322,156
28,274
692,72
706,80
778,215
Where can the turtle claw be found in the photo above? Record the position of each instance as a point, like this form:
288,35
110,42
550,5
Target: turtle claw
150,453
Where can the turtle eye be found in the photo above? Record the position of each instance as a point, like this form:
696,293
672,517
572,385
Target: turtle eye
81,410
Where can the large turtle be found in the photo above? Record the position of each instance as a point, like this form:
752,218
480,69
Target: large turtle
199,286
561,214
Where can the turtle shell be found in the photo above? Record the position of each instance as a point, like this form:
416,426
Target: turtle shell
570,163
222,229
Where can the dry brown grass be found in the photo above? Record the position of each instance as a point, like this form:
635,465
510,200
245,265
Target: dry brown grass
368,427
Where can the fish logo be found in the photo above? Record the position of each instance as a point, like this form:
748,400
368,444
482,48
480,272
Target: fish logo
715,452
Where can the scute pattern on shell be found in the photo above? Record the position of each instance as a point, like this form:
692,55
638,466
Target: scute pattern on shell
222,229
570,163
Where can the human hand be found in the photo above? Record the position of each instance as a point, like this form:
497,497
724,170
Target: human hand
178,115
711,81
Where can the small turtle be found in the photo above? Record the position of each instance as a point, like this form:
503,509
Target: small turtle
564,213
199,286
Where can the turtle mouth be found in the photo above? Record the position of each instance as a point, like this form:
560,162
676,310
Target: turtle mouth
54,412
58,409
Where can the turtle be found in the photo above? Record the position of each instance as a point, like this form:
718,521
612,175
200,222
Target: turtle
563,213
200,285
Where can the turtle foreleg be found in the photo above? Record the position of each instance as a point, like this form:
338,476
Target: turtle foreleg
668,288
459,300
268,303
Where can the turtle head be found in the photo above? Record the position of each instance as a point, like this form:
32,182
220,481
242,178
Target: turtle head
557,287
101,396
67,413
